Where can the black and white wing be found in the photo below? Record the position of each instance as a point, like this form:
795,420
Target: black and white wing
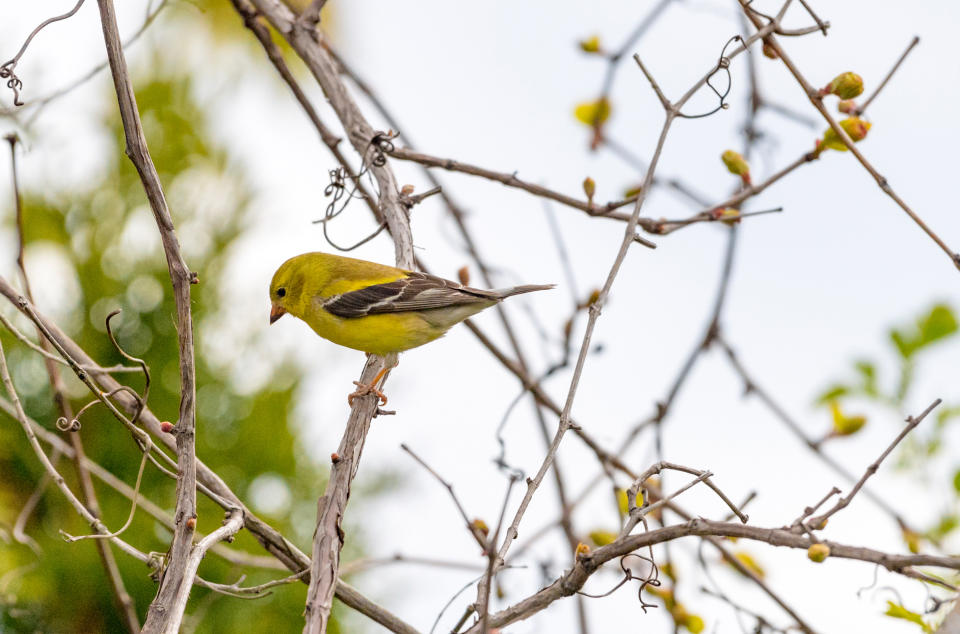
417,291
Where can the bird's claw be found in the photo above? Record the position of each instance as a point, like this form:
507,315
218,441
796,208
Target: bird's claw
362,390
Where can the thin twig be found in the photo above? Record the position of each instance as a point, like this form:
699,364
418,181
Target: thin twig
475,532
255,592
123,599
817,102
133,508
511,180
754,389
860,109
483,591
231,526
235,557
842,503
113,369
57,479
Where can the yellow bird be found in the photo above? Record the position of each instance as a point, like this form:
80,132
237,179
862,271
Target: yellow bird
375,308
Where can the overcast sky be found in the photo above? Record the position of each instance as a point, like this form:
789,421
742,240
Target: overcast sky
813,288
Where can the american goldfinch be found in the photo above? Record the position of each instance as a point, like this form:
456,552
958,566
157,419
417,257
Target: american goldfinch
375,308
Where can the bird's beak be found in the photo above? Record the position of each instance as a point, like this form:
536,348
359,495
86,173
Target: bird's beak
276,312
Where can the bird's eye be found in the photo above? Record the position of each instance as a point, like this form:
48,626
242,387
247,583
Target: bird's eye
281,292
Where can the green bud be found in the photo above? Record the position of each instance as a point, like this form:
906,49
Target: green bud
589,188
855,127
818,552
844,85
736,164
590,45
847,106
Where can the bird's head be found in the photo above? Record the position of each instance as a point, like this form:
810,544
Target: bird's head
286,288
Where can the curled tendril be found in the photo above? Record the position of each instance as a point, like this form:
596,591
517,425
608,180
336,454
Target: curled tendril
872,584
65,425
13,82
157,562
381,144
7,70
723,66
141,400
74,425
343,189
652,580
338,189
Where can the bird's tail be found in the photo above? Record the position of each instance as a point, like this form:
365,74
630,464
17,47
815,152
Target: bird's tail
503,293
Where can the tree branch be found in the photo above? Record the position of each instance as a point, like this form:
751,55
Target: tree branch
174,580
585,566
817,102
328,537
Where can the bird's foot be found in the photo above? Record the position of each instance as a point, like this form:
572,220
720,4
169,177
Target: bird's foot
362,390
368,388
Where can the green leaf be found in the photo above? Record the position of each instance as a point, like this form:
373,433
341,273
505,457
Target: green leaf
593,113
844,425
946,414
602,538
946,525
590,45
900,612
694,624
906,380
868,374
940,323
906,346
832,393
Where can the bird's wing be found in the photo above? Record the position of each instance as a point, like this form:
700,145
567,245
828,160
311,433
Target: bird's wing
417,291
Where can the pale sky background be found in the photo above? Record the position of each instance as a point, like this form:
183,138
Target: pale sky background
495,84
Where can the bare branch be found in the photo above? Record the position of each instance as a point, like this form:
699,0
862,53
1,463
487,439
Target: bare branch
55,476
124,600
817,102
574,579
231,525
753,388
635,514
475,531
511,180
252,592
174,581
133,508
869,100
842,503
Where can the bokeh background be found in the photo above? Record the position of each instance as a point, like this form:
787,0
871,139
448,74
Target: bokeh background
814,290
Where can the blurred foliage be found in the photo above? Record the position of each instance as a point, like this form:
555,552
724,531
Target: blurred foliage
103,242
897,611
221,21
592,113
931,329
